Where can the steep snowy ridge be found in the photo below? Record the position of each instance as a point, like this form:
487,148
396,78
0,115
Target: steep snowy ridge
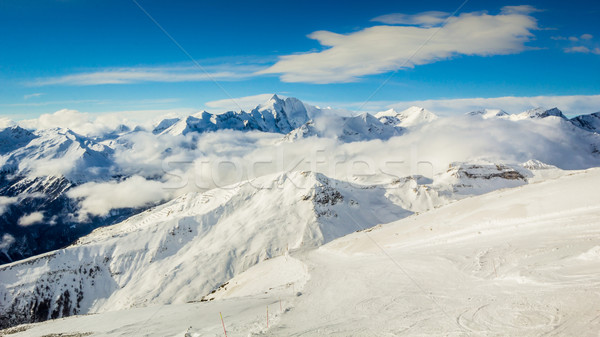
180,251
589,122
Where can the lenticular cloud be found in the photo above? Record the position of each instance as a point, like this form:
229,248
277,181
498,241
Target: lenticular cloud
392,47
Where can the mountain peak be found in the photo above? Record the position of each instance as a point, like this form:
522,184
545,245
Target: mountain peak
488,113
275,98
412,116
589,122
540,112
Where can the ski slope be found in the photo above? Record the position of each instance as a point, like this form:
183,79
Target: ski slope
521,261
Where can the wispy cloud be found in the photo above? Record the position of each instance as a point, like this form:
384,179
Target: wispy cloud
582,49
381,49
431,18
584,44
147,74
34,95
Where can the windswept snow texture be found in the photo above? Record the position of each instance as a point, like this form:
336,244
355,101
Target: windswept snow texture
520,261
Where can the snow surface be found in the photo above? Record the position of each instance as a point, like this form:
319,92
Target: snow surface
520,261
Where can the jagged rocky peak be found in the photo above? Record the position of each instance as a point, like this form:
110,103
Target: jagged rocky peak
282,115
589,122
275,115
488,113
13,137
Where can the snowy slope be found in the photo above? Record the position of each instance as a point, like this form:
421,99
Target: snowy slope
412,116
519,261
180,251
224,231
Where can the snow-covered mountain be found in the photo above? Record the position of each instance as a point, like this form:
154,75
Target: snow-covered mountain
194,243
519,261
40,167
412,116
589,122
539,113
276,115
489,113
363,127
44,152
223,232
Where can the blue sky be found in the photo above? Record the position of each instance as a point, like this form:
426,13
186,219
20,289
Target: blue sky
105,56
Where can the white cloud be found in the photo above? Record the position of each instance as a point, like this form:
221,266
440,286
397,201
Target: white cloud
100,198
31,219
7,241
6,122
577,49
34,95
79,122
586,37
582,49
247,103
381,49
5,202
146,74
573,38
431,18
521,9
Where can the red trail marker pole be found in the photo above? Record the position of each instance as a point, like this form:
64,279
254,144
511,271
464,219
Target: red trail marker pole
222,322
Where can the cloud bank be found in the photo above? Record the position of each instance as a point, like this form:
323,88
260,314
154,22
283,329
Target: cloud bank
381,49
100,198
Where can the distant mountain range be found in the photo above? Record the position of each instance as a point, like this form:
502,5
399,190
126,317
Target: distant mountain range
40,167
